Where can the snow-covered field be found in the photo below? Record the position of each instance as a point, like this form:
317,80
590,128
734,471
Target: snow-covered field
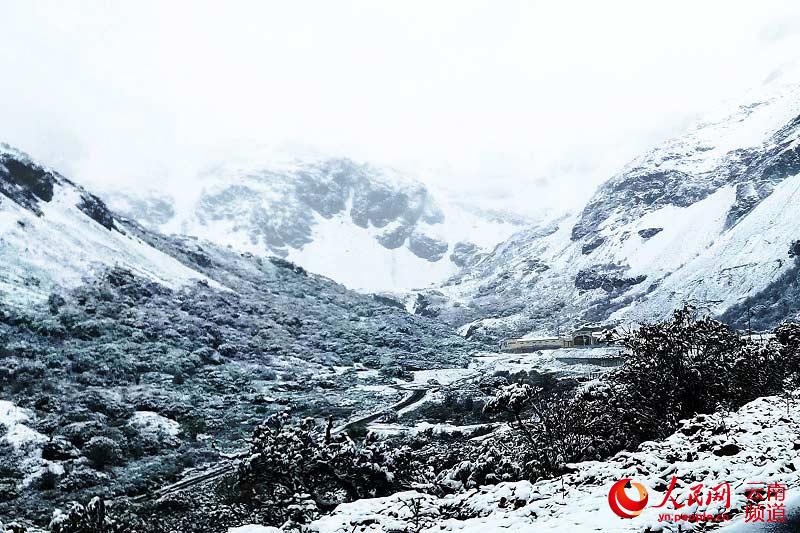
150,423
384,429
251,528
17,433
350,255
591,363
26,442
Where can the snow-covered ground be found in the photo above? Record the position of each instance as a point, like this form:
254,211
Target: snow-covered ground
444,376
150,423
352,256
251,528
742,261
26,443
385,429
17,433
586,363
566,361
792,524
756,444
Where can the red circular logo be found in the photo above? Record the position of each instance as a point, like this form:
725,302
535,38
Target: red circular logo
624,506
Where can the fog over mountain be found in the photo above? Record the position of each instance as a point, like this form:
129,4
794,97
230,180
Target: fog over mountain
521,105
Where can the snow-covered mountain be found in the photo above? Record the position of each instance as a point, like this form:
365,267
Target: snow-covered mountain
709,218
54,233
367,227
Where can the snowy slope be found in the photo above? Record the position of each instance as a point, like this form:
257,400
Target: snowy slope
354,256
706,219
367,227
54,234
757,448
739,262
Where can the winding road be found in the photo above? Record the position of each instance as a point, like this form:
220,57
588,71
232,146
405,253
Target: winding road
416,393
415,396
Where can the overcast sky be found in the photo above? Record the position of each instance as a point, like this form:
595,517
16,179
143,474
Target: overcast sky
517,103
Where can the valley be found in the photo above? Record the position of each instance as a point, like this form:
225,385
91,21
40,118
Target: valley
314,344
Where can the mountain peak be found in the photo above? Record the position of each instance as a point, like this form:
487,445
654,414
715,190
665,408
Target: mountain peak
55,233
751,146
369,227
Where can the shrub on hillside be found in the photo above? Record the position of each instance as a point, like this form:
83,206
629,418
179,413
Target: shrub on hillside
102,452
289,460
91,518
685,366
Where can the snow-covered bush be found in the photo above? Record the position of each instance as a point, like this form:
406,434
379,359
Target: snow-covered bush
91,518
292,466
13,527
102,452
690,364
679,368
554,428
513,398
494,461
788,335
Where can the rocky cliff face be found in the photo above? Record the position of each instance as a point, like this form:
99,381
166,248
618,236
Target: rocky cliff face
706,218
29,184
367,227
